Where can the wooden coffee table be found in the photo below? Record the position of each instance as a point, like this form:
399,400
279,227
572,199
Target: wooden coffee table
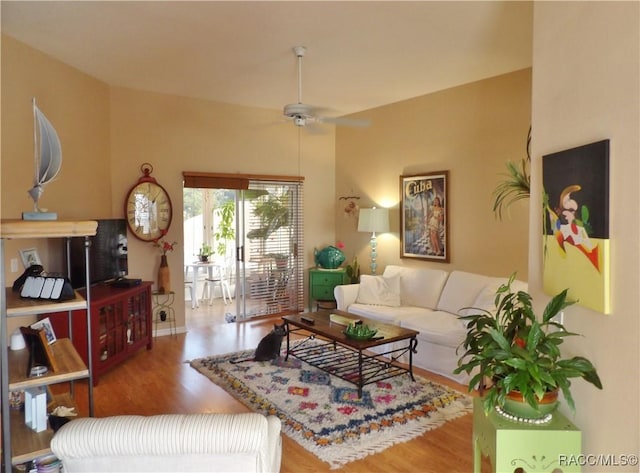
349,359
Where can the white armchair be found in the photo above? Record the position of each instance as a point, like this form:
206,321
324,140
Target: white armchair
170,443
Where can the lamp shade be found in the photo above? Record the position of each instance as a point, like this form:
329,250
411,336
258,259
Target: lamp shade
373,220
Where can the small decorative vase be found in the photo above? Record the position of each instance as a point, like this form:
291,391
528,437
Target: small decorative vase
329,257
164,276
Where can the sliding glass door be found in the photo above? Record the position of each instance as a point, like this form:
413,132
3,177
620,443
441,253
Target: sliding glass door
270,239
255,233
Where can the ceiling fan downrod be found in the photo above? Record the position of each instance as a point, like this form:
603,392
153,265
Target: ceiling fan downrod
299,52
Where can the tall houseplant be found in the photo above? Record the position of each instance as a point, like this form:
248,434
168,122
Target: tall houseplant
273,212
520,352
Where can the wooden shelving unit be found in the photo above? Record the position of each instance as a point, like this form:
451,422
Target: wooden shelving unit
20,444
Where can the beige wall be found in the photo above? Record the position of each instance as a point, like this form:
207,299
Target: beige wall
471,131
586,88
107,133
177,134
78,105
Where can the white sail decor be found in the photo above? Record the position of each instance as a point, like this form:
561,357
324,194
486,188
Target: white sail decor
48,161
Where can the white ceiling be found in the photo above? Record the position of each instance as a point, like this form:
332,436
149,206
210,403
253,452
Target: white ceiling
360,54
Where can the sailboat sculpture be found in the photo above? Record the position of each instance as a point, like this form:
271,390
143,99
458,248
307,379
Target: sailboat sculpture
48,161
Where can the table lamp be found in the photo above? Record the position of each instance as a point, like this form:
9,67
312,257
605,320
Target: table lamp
373,220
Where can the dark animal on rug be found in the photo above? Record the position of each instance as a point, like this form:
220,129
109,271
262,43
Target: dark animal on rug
269,347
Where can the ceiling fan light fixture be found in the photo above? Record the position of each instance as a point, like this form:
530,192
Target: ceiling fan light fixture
299,113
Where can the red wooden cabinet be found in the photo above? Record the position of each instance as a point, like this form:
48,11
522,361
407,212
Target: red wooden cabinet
120,325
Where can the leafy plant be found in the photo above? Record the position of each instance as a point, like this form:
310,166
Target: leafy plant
273,213
353,271
226,230
516,185
518,352
205,251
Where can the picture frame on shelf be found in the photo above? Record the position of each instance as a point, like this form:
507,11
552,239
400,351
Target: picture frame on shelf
45,324
424,216
30,257
40,353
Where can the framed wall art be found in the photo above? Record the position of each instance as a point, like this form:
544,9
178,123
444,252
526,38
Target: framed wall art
424,220
576,245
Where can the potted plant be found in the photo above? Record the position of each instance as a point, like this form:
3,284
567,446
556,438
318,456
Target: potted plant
353,271
516,184
520,354
205,252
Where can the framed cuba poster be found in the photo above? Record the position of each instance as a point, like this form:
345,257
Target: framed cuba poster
424,219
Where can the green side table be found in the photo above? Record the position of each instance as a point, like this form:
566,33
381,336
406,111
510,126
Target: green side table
322,282
515,446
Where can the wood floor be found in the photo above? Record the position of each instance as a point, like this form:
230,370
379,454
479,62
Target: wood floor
161,381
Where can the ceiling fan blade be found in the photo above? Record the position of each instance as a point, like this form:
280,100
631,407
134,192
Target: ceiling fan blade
342,121
315,128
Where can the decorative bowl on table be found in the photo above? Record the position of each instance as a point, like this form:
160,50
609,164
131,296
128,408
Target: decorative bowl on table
329,257
359,331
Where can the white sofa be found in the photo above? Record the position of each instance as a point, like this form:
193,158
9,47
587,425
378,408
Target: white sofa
427,300
169,443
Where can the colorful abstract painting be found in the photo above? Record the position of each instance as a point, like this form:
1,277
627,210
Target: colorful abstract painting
576,224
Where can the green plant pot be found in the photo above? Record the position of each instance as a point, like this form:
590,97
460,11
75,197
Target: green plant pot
515,405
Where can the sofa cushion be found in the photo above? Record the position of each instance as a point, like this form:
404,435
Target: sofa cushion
388,315
379,290
439,327
462,289
420,287
486,299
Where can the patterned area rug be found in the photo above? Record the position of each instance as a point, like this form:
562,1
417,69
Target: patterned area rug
324,413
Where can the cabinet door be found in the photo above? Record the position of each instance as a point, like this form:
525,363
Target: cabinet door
138,322
112,331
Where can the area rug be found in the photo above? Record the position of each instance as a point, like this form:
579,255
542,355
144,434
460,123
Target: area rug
324,413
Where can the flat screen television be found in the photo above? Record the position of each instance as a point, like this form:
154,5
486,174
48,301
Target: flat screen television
107,254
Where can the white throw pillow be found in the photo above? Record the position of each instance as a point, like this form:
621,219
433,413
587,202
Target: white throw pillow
379,290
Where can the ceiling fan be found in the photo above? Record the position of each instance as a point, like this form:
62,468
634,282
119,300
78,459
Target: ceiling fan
303,114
